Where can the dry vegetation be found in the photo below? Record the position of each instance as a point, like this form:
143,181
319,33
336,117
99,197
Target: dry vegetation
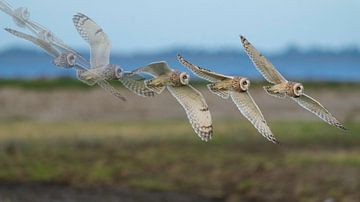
100,148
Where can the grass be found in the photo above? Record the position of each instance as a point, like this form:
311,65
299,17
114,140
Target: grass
314,162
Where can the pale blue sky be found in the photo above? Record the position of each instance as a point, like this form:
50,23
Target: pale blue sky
141,26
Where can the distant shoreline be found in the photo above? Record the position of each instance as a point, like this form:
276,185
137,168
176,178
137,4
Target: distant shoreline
312,65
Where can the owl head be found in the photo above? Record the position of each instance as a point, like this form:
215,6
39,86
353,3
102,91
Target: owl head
47,36
244,84
22,13
119,72
71,59
298,89
184,78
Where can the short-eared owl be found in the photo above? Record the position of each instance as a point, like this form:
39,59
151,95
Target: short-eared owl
178,85
63,58
100,48
21,17
282,88
236,88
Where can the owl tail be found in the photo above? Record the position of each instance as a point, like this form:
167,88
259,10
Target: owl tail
86,77
270,91
153,88
222,93
136,85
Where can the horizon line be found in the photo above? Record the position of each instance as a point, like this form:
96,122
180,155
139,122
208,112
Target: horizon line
228,49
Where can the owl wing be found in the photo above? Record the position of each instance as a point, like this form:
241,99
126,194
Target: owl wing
136,84
100,45
202,72
21,17
6,7
48,36
154,69
39,42
251,111
262,64
110,89
196,109
315,107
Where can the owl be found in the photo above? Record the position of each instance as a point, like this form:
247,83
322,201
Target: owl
282,88
238,89
21,17
63,58
100,48
177,83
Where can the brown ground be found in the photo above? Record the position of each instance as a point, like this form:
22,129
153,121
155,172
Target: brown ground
98,105
40,192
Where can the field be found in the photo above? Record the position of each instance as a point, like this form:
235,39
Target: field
63,144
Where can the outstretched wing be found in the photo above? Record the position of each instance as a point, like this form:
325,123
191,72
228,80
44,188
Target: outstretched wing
100,45
262,64
315,107
196,109
136,84
39,42
6,7
154,69
251,111
202,72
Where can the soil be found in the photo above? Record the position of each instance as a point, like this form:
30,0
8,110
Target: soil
40,192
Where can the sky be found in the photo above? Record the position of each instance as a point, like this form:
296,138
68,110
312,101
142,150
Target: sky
145,26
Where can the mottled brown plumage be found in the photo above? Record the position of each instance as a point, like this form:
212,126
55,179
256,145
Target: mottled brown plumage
190,99
236,88
282,88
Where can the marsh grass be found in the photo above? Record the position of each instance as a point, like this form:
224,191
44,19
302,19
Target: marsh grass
314,162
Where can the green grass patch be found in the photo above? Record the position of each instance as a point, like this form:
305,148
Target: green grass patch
315,161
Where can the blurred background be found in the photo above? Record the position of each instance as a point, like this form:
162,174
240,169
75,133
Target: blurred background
61,140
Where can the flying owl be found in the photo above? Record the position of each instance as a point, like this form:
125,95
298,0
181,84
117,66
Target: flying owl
282,88
236,88
21,17
63,58
100,48
177,83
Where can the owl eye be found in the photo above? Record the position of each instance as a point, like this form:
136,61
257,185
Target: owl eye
245,83
119,72
184,77
298,88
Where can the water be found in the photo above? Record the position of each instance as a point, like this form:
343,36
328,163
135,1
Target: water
343,67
